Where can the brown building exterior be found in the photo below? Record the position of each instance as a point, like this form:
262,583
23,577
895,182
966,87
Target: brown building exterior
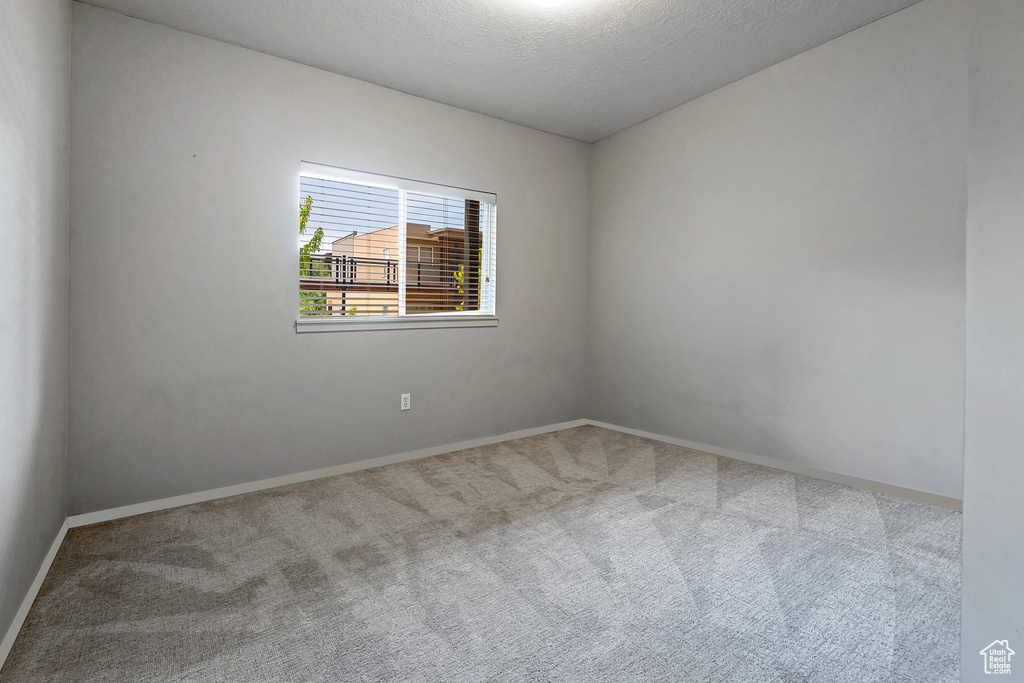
359,275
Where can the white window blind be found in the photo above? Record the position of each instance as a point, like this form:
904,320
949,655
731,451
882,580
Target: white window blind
377,246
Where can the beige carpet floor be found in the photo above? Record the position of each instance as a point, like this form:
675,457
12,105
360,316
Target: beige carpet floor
581,555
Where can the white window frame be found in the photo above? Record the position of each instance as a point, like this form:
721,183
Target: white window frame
419,320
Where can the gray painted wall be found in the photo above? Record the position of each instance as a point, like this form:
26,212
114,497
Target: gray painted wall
993,593
186,371
778,266
33,287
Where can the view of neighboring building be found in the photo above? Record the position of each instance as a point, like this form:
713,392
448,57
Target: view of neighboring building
351,251
359,274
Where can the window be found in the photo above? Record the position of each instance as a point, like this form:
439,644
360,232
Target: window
377,251
420,254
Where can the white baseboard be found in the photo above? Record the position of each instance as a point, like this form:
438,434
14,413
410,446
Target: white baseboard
238,489
249,487
856,482
19,618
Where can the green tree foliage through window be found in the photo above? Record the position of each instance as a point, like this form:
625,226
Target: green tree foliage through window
460,280
311,302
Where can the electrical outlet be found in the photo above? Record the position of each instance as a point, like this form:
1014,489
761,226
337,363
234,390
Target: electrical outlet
406,400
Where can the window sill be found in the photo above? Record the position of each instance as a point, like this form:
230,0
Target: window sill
394,323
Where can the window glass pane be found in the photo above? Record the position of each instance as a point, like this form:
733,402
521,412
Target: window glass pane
347,234
443,256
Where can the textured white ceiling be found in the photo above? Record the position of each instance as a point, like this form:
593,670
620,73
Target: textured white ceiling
585,69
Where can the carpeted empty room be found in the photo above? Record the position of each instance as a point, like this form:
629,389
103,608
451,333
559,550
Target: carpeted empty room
511,340
580,555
